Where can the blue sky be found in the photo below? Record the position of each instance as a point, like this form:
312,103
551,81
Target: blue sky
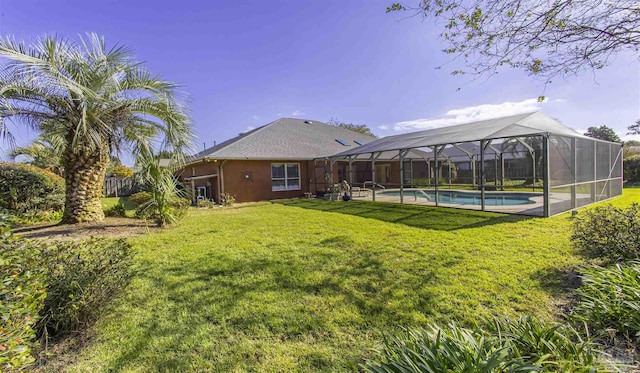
246,63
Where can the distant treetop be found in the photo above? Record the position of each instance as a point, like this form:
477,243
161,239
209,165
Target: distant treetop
361,128
603,133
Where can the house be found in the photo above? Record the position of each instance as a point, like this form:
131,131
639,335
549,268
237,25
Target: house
283,159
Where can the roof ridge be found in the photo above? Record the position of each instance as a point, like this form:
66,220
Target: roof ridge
233,140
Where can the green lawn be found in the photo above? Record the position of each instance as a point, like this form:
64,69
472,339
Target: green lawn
309,285
109,202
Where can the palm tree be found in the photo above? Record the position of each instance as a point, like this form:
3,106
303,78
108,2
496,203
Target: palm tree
43,153
95,101
162,185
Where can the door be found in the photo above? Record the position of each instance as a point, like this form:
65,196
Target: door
383,172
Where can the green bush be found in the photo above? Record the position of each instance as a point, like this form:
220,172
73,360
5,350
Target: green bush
138,199
82,278
22,293
608,232
30,191
609,300
632,168
228,199
501,346
206,204
117,210
147,209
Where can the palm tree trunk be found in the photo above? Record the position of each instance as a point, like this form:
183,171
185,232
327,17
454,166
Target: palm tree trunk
84,175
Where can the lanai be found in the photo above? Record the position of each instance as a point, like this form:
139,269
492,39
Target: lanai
575,170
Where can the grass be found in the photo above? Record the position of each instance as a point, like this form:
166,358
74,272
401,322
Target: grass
109,202
308,285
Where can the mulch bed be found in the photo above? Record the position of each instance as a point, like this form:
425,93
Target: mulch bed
110,227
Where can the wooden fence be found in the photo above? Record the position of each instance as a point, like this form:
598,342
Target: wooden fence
119,186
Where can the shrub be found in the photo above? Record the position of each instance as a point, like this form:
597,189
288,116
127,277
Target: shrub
207,204
632,168
609,232
22,294
29,190
82,278
228,199
117,210
138,199
609,300
166,204
501,346
146,207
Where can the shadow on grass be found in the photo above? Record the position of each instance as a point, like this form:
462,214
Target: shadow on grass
426,217
273,300
560,283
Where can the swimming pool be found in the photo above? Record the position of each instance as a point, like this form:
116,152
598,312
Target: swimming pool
456,197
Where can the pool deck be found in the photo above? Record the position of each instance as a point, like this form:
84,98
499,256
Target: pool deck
535,208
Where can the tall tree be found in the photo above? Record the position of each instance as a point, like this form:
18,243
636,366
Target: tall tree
360,128
542,37
634,129
603,133
93,99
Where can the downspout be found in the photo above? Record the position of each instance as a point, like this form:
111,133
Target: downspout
193,192
221,181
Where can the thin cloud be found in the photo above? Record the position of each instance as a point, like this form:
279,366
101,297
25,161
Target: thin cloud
471,114
255,117
297,113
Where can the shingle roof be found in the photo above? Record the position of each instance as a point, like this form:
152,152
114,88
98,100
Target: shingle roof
511,126
286,138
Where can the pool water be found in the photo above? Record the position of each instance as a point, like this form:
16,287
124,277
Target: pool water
466,198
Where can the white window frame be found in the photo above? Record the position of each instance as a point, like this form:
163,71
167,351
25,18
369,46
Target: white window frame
286,178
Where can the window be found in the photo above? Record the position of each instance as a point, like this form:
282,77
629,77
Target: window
342,142
285,176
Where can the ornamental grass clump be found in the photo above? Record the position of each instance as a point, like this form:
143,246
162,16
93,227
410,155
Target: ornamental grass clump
502,345
609,301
